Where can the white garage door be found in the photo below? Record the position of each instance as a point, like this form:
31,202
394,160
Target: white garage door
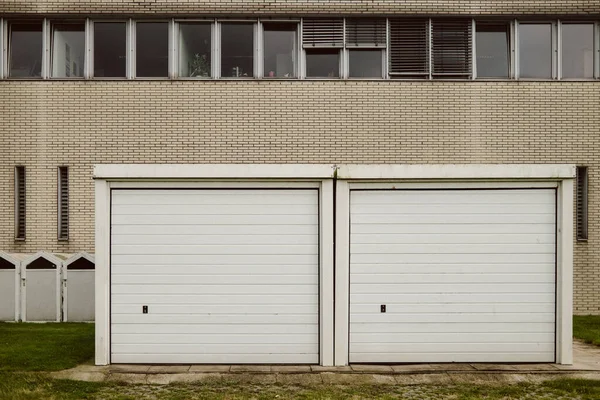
462,275
227,276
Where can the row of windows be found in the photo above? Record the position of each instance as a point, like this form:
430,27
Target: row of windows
62,203
384,48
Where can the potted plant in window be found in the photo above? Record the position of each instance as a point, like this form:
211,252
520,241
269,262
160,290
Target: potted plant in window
199,66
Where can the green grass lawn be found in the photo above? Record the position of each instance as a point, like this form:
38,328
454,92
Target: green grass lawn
45,347
587,328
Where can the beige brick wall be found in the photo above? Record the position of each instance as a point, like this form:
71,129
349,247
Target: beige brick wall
47,124
247,7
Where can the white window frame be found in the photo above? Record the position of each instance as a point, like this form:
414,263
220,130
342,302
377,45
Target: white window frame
458,176
560,47
133,44
2,48
91,56
5,59
297,54
554,48
510,54
341,63
257,176
382,49
177,47
255,63
50,48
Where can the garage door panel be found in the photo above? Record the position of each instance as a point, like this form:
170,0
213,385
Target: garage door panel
449,228
213,299
456,337
222,339
212,249
359,270
213,266
215,289
223,270
466,275
460,249
202,279
208,358
457,209
265,330
212,230
213,239
215,259
462,357
541,328
412,298
450,308
498,258
217,219
433,288
450,197
446,278
453,238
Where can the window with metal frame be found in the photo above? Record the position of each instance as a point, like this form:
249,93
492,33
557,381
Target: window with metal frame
536,56
152,49
68,50
195,49
582,203
365,40
577,48
323,40
492,49
110,49
25,49
20,204
280,49
237,49
452,45
63,203
409,48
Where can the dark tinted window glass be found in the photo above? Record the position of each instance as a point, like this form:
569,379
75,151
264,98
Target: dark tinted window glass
194,50
152,51
68,50
25,50
323,63
365,64
237,50
280,50
492,50
110,49
577,51
535,50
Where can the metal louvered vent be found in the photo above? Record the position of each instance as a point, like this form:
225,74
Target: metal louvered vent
323,32
20,196
409,48
582,203
452,43
366,32
63,203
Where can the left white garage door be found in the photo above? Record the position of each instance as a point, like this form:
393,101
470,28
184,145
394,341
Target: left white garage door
215,276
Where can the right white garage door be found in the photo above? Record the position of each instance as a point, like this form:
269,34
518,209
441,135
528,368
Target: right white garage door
452,275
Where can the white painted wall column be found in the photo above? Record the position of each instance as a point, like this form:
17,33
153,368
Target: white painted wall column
564,273
102,277
326,283
342,271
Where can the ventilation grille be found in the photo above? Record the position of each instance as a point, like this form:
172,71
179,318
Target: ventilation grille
452,42
63,203
20,197
323,32
366,32
582,203
409,47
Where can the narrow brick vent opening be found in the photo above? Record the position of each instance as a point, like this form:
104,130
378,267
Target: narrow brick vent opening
63,203
20,203
582,203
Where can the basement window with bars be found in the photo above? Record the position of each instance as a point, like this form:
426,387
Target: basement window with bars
20,196
323,40
63,203
451,48
409,48
365,40
582,203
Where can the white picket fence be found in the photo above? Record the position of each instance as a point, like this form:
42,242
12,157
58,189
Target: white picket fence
47,287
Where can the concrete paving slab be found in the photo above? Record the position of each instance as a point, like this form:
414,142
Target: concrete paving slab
250,368
85,376
452,367
347,379
210,368
425,379
129,368
474,378
535,367
291,369
165,379
168,369
383,379
126,377
319,368
371,369
300,379
256,378
411,368
493,367
91,368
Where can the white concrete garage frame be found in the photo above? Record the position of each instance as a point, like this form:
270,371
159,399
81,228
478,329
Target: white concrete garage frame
458,176
222,176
